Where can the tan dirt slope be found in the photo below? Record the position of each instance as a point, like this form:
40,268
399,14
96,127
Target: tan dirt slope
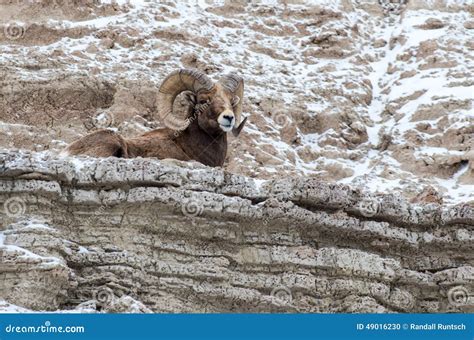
351,190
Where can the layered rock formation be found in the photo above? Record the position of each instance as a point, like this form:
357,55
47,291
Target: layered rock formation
144,235
374,93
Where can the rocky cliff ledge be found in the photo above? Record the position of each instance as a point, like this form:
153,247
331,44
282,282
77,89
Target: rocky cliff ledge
143,235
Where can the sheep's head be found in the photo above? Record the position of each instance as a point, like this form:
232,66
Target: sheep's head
218,106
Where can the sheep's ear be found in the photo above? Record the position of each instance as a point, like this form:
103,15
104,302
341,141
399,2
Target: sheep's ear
235,100
190,97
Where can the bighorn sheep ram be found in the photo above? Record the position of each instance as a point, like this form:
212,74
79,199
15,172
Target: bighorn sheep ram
214,110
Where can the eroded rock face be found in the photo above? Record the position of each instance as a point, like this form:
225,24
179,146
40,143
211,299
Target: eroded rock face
376,94
143,235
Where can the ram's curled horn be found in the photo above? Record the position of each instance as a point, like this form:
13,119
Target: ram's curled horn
235,84
175,83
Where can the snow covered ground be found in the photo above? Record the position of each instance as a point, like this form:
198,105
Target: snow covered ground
339,90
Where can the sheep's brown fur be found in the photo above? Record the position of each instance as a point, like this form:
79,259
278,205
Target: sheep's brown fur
203,140
190,144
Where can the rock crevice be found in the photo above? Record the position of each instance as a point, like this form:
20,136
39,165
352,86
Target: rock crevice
144,235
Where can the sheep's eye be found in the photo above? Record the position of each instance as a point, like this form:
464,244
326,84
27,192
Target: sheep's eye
203,101
235,100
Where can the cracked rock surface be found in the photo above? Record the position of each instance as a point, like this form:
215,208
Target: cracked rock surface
371,93
141,235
